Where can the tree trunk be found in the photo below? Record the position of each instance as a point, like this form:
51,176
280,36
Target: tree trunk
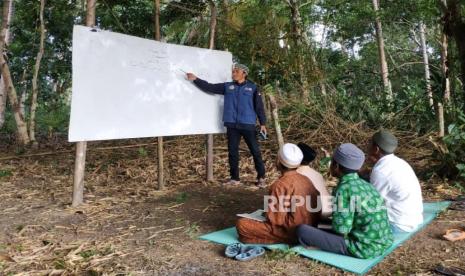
81,147
445,67
157,20
441,119
23,96
429,91
210,142
8,81
2,101
300,39
454,26
8,20
90,13
213,19
297,38
3,90
35,86
382,55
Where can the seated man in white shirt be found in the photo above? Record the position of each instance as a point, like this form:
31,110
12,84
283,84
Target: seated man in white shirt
397,183
317,179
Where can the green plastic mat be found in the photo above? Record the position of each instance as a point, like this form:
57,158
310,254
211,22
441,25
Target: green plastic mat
359,266
229,236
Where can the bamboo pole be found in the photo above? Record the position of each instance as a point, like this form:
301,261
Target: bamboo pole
277,125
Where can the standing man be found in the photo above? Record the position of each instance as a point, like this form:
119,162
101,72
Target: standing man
242,105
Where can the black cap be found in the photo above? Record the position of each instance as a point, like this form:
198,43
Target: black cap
309,153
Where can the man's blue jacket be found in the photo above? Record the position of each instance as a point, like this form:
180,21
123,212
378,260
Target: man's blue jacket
242,103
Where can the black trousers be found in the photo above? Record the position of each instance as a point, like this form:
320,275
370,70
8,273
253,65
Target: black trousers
234,139
312,236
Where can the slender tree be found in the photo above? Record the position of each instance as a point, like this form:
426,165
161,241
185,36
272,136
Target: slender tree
382,55
424,50
454,26
21,125
298,37
3,91
35,86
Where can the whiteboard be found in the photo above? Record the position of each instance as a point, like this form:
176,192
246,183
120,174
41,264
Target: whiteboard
129,87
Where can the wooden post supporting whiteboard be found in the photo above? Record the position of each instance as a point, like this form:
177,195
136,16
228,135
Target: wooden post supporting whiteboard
161,175
81,147
79,169
209,159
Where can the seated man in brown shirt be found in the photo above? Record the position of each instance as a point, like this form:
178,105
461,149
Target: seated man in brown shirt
292,201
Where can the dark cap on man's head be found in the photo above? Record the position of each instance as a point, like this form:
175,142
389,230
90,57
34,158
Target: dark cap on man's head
385,141
309,153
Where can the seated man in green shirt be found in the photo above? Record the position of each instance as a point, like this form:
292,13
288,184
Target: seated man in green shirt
360,223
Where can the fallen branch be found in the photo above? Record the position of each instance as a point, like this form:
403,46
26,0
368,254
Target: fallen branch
164,231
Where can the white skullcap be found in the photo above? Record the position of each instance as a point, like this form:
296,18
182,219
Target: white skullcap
290,156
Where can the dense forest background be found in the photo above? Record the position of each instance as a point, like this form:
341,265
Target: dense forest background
388,63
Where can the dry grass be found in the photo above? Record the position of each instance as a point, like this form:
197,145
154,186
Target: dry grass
127,226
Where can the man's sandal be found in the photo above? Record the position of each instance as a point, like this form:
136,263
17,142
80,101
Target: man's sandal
233,250
451,270
250,254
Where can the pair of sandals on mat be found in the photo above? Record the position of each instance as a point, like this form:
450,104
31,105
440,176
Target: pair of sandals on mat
243,252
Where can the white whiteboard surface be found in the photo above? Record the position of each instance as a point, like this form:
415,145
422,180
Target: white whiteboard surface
129,87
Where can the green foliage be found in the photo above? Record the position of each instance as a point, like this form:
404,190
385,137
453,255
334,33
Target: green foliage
50,117
142,152
193,230
54,119
324,164
182,197
5,173
59,264
454,157
87,254
276,255
260,34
